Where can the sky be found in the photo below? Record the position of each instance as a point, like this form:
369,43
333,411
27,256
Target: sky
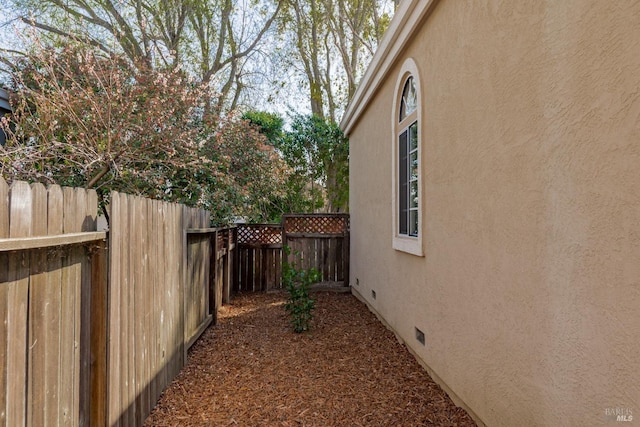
7,25
8,31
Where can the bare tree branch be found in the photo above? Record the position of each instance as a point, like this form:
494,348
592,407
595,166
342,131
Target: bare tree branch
75,37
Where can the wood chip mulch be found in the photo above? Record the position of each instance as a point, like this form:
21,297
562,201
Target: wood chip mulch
251,370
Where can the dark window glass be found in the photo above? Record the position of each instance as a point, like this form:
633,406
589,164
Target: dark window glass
409,101
404,183
408,195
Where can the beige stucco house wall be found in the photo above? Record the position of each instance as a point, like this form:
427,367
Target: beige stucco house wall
526,280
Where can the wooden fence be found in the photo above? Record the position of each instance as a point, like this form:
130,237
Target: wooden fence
76,348
158,299
319,241
51,276
259,258
93,326
210,259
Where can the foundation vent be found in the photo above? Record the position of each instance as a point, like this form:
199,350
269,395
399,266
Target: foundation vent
420,336
373,294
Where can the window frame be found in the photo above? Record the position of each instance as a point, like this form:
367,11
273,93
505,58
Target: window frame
408,243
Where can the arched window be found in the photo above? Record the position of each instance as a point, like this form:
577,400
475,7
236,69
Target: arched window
407,174
408,201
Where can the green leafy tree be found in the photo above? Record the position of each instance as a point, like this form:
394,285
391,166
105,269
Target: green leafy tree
317,154
270,125
258,171
291,198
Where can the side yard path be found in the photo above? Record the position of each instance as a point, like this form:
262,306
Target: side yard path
251,370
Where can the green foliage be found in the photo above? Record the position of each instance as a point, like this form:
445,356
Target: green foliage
316,154
257,170
268,124
299,304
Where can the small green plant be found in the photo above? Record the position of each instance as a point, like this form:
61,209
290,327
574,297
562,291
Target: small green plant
299,304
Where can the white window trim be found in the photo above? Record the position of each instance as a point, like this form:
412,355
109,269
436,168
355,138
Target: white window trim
408,244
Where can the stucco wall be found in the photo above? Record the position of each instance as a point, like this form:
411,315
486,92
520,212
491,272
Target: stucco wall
529,290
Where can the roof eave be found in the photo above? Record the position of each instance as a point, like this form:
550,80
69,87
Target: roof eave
404,24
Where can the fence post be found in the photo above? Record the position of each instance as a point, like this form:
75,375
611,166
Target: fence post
213,273
285,240
99,321
226,268
236,264
17,293
218,265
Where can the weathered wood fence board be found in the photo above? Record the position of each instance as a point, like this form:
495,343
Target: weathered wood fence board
44,295
16,307
98,335
226,262
4,278
54,317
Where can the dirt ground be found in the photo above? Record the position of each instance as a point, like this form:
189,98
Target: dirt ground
251,370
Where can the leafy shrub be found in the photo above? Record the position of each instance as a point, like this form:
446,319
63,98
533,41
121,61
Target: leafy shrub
299,304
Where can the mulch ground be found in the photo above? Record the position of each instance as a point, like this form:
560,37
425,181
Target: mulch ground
251,370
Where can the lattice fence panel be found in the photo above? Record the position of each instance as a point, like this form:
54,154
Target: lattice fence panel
259,234
316,224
